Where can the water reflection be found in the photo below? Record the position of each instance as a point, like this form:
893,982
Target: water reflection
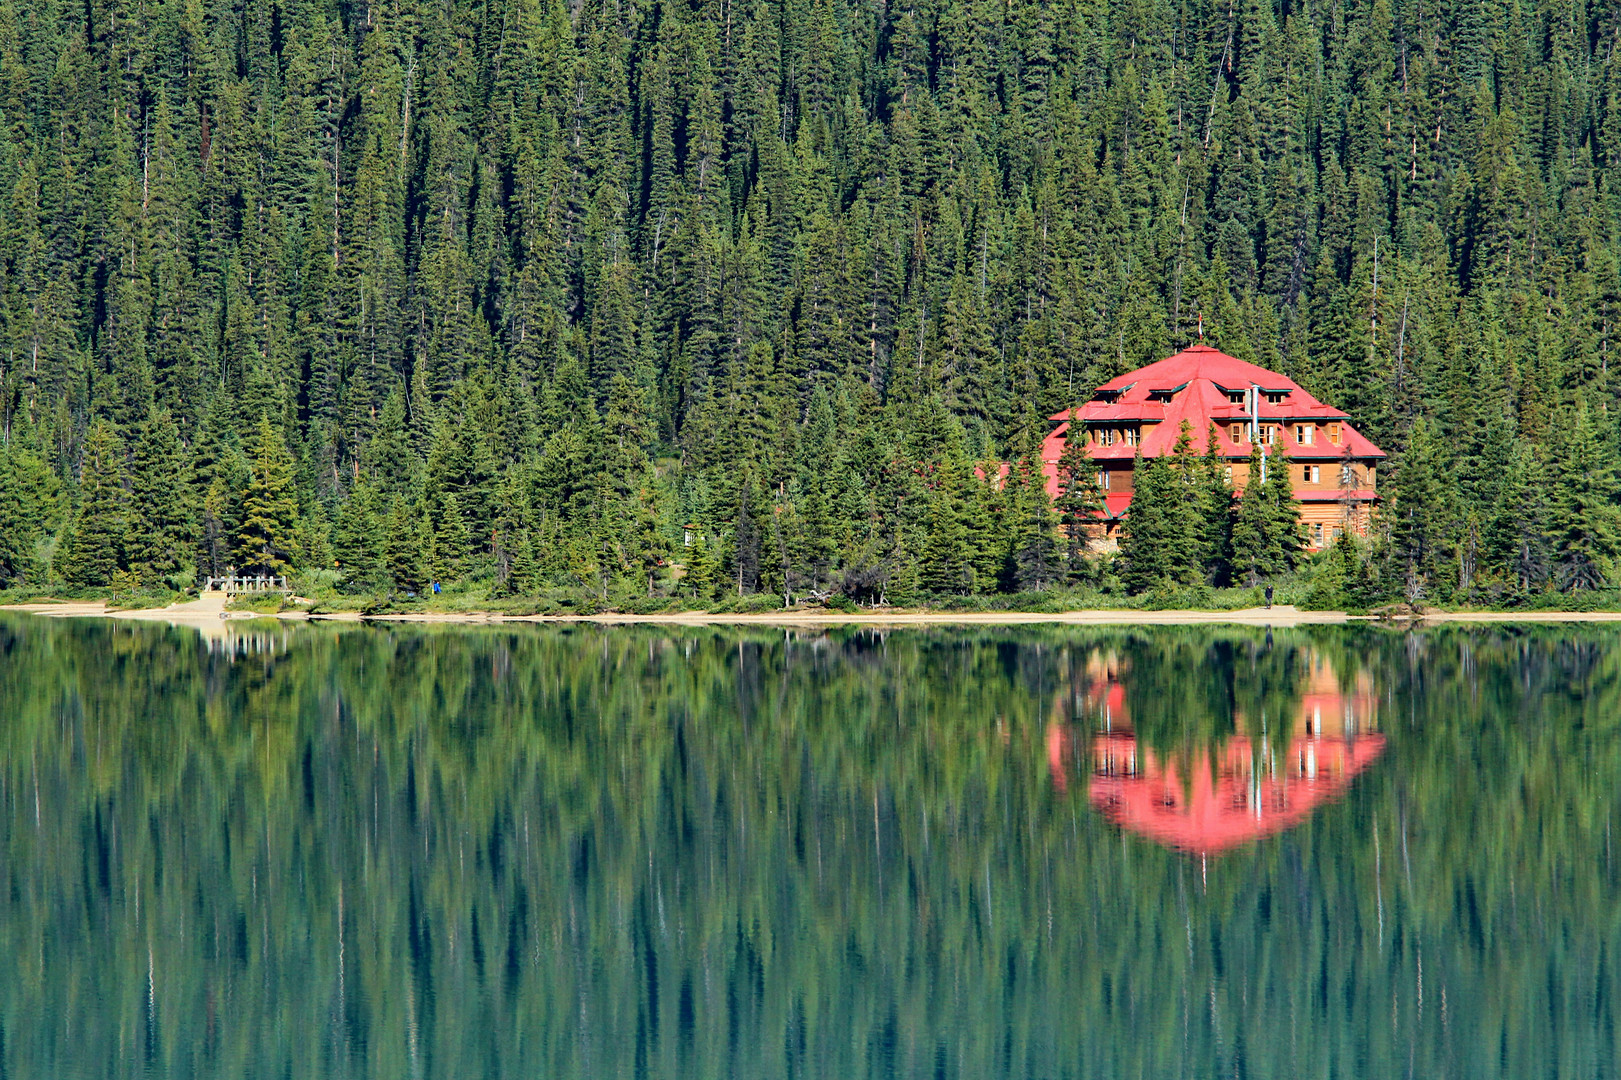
690,852
1209,793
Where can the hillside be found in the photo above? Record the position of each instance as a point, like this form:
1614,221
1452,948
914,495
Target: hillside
505,294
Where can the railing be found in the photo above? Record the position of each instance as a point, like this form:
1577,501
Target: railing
236,583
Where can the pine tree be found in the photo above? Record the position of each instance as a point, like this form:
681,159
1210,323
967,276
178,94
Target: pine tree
748,541
1587,505
93,549
702,570
1036,553
450,541
406,546
161,534
1266,526
1286,541
267,538
1415,507
358,541
1159,547
29,493
1079,500
944,565
1213,501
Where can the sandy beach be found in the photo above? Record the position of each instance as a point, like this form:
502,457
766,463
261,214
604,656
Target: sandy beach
209,612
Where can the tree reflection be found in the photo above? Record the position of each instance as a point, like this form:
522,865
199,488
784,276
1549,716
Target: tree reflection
369,851
1253,751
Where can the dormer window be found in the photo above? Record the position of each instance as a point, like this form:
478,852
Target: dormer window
1334,434
1276,397
1306,434
1235,432
1236,397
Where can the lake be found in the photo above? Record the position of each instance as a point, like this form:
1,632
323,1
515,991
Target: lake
581,851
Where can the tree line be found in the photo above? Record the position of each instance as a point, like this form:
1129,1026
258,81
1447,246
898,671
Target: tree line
532,296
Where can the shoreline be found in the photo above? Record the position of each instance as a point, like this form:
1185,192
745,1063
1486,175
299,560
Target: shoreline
208,612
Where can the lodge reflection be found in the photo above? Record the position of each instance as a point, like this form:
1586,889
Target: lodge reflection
1210,792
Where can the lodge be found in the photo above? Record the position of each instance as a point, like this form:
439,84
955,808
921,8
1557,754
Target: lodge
1332,466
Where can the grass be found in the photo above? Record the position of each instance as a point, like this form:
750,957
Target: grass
265,603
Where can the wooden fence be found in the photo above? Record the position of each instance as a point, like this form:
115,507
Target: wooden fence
236,583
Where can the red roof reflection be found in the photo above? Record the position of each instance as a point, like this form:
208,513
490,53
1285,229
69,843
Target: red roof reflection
1221,798
1214,797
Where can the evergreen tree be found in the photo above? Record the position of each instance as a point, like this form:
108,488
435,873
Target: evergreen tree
944,566
1080,502
1159,545
1037,557
450,541
1266,525
359,541
267,538
702,570
1286,530
748,540
93,549
159,544
1587,505
1213,502
28,500
1415,507
405,549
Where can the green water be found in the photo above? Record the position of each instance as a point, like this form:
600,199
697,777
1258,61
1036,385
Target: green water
610,852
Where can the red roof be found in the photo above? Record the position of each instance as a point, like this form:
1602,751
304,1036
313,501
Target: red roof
1225,797
1195,385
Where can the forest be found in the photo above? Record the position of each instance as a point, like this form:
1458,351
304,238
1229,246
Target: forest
648,301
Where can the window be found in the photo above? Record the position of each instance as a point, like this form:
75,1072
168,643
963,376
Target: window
1347,475
1276,397
1334,434
1236,397
1235,432
1229,474
1269,434
1311,474
1131,436
1317,533
1306,434
1103,480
